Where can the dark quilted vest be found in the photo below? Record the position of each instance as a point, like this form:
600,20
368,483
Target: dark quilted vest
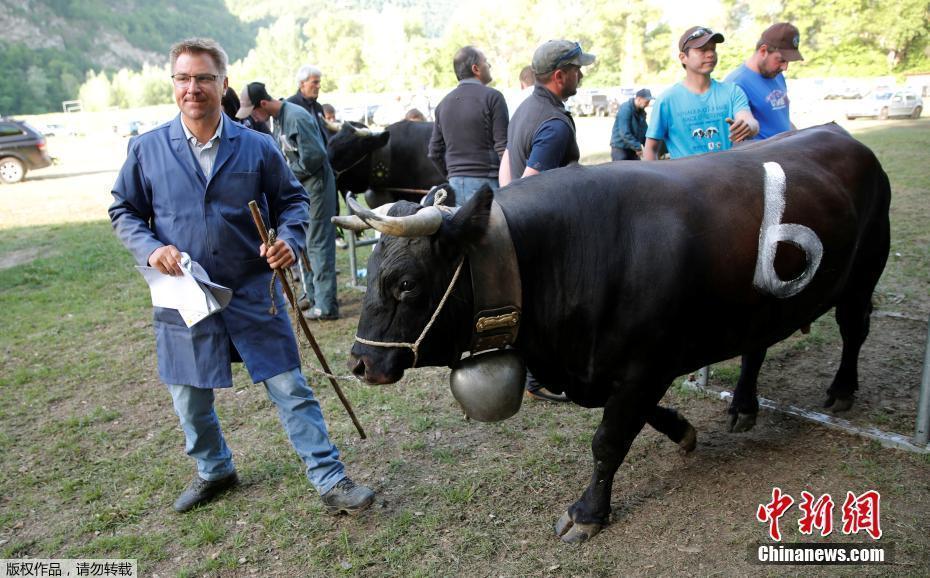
539,107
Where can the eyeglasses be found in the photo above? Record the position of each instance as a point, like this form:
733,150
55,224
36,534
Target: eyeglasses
573,53
695,35
184,80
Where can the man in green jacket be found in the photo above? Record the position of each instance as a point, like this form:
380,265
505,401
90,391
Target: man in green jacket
298,136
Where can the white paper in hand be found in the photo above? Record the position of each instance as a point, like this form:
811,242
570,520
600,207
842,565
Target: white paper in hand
192,293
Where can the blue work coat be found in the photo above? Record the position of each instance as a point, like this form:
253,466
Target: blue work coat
161,197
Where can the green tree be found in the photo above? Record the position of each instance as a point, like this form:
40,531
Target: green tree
842,37
334,43
95,92
279,51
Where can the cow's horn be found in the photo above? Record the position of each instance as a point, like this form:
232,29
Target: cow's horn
424,222
351,222
333,126
363,132
354,223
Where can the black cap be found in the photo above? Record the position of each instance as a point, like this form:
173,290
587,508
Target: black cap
644,93
251,95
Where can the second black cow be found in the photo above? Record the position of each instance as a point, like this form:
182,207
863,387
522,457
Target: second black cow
386,166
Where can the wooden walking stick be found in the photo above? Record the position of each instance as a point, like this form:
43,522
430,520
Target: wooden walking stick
263,233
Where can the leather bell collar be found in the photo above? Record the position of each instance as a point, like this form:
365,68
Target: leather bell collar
496,286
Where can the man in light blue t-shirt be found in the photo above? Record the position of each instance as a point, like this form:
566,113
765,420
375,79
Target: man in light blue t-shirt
761,78
699,114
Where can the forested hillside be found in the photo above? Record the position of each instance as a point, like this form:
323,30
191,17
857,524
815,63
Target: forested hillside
48,46
112,54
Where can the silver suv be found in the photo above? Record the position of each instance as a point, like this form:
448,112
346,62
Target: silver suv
886,103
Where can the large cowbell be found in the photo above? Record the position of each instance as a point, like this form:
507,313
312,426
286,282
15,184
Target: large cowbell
489,385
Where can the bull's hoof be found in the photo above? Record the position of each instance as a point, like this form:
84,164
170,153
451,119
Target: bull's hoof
688,441
572,532
741,422
839,404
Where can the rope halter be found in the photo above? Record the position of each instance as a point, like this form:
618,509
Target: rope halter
415,346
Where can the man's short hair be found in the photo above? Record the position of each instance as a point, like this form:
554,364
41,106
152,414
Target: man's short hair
414,114
201,46
328,108
464,59
306,72
526,76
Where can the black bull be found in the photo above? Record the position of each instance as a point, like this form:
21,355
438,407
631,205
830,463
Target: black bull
386,163
634,273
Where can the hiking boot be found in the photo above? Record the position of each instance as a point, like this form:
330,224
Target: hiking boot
348,497
201,491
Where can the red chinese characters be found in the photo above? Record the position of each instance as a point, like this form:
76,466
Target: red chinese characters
862,513
816,515
774,510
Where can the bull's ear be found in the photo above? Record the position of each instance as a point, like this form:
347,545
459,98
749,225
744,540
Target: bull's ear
468,225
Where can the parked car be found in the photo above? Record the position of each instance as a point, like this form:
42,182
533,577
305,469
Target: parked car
589,104
362,114
22,149
49,129
885,104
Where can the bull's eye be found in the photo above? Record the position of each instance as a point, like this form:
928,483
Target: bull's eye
406,290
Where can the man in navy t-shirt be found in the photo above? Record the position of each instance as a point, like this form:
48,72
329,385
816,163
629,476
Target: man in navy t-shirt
761,78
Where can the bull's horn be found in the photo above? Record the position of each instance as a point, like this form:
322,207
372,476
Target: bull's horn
354,223
424,222
332,126
363,132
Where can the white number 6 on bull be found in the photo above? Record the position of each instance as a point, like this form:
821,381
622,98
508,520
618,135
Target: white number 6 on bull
773,231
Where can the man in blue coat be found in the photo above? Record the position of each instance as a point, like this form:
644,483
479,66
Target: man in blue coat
629,132
185,186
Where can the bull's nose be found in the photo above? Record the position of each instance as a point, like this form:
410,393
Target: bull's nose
356,366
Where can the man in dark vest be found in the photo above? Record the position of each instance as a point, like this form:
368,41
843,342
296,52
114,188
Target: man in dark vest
541,135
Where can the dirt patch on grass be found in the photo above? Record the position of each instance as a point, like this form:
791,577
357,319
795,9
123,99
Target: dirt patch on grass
19,257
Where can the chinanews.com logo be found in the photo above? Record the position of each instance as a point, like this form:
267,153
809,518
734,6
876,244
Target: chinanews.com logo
860,514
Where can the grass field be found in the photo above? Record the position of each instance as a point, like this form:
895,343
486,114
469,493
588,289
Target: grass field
91,455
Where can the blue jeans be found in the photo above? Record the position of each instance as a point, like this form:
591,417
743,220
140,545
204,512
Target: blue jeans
320,287
465,187
299,412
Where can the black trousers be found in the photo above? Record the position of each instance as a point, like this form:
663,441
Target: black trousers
622,154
